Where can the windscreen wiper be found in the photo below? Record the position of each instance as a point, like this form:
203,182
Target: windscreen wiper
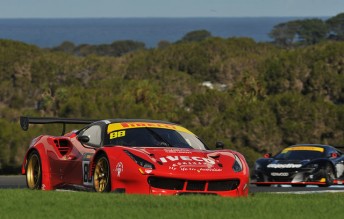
163,141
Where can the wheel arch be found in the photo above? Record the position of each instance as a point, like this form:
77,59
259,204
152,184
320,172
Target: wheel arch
96,156
45,165
325,162
27,155
333,166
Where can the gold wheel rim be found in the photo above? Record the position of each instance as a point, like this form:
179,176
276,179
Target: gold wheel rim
33,172
101,175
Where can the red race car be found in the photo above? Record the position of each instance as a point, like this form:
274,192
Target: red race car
131,156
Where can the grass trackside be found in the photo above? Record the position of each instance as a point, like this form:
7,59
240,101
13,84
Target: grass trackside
25,203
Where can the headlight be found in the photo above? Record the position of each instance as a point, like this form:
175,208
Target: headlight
139,160
237,166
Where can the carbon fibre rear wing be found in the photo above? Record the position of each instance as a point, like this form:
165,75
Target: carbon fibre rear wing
25,121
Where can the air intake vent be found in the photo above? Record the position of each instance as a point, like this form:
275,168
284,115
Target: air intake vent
196,186
223,185
63,146
193,185
165,183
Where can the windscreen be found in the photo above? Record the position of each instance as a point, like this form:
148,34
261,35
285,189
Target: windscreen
301,153
151,135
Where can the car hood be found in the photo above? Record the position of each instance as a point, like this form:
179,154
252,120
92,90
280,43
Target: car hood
287,164
181,161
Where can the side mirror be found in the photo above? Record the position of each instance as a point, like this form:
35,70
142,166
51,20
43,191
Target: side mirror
83,138
219,145
267,155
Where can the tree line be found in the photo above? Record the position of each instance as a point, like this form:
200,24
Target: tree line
308,31
289,34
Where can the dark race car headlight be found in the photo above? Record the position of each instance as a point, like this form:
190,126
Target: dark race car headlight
141,162
237,166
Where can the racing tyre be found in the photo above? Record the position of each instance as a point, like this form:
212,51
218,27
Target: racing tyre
101,176
328,175
34,171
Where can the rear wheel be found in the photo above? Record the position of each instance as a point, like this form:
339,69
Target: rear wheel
101,176
34,171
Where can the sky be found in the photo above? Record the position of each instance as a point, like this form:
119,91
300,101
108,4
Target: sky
168,8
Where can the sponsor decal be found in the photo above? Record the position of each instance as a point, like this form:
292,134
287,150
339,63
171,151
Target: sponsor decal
199,168
129,125
119,168
177,151
304,148
190,163
279,174
191,160
281,166
211,170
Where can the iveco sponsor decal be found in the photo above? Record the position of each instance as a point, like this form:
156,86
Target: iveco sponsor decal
186,158
280,166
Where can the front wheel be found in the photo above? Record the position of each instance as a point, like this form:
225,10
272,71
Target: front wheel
328,175
34,171
101,176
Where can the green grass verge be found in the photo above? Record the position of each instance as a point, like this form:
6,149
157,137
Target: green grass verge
25,203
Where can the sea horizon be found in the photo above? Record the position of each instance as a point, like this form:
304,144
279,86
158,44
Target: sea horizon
51,32
321,17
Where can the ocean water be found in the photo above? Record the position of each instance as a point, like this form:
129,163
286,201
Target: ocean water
48,33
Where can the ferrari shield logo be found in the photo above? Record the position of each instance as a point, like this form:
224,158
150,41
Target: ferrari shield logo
119,169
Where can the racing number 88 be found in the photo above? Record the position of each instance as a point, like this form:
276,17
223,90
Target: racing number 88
117,134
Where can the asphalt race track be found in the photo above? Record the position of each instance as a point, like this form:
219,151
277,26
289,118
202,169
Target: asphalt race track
19,182
12,182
